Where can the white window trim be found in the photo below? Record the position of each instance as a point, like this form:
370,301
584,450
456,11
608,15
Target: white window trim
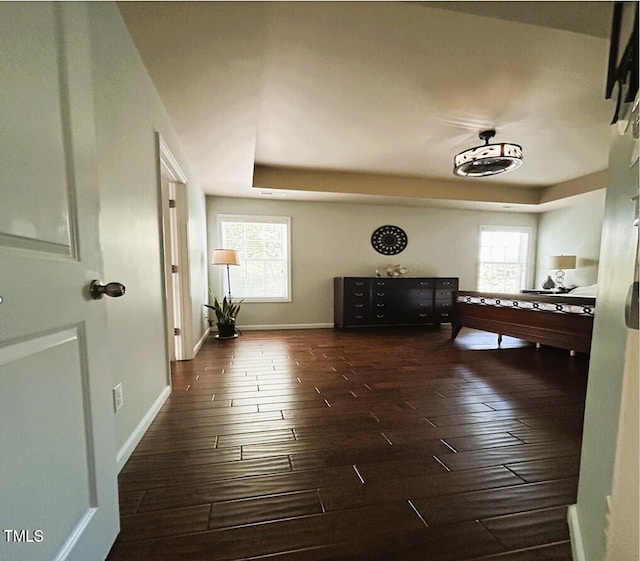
529,262
260,218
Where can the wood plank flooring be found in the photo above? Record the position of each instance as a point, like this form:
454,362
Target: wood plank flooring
370,445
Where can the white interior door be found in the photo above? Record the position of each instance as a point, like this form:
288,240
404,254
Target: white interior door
171,269
58,490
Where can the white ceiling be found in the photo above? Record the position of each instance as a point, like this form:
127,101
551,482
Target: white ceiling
377,92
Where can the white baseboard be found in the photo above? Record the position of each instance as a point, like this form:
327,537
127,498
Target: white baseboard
201,342
577,548
129,446
285,326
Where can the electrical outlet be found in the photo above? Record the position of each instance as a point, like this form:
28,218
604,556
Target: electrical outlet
118,398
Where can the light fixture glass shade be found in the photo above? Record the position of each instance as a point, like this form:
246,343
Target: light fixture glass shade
225,257
490,159
565,262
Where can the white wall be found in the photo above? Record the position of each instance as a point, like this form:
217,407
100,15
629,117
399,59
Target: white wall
333,239
198,265
128,115
574,230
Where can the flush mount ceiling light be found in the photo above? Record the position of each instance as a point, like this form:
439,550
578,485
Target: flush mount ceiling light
490,159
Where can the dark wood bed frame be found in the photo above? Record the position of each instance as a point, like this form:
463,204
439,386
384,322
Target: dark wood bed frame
564,330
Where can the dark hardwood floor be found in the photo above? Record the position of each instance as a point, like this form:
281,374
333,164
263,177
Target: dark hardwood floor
393,444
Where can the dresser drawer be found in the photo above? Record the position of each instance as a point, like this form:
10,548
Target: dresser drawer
381,281
421,294
444,294
403,283
356,288
444,316
358,295
420,283
424,316
354,282
444,305
357,317
381,292
451,283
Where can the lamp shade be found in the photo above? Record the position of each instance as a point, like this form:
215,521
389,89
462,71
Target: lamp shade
565,262
225,257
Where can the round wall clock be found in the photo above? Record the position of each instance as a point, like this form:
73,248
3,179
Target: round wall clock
389,240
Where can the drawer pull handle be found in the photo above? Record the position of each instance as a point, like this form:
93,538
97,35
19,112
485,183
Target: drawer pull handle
445,315
423,315
359,317
380,316
359,283
380,305
379,293
359,305
359,294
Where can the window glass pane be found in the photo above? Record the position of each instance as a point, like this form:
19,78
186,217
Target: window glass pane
497,253
485,253
502,259
263,246
512,254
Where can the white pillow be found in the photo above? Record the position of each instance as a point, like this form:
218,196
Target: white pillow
589,291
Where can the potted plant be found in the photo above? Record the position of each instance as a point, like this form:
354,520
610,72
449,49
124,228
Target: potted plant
226,312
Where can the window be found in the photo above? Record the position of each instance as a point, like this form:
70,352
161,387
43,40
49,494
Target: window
503,259
263,243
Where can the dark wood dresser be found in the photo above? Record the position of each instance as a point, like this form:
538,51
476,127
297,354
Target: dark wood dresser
369,301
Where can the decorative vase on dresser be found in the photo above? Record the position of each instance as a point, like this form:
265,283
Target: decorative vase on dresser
548,283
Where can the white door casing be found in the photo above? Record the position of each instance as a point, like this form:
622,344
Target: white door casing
58,492
175,238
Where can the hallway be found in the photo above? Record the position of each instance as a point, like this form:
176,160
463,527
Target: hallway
369,445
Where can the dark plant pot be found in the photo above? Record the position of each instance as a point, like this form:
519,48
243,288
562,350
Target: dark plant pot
226,330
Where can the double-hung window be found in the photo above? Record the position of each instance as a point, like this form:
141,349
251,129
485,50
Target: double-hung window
502,263
264,247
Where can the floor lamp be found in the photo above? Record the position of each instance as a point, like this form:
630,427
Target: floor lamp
226,257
